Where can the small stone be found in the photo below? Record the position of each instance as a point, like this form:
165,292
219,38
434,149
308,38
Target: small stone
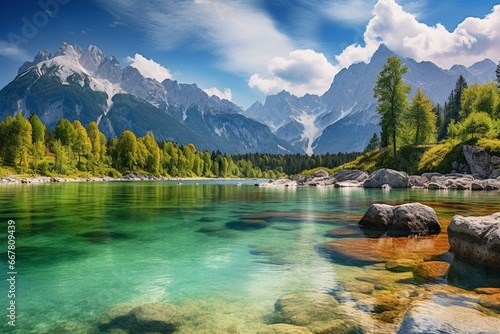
430,271
400,265
490,301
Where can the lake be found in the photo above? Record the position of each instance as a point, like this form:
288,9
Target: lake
225,252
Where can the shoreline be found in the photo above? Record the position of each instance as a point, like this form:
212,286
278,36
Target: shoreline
20,179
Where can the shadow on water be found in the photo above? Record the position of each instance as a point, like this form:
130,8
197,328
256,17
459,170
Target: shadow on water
468,276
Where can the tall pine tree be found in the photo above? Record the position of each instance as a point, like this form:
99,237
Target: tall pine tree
391,92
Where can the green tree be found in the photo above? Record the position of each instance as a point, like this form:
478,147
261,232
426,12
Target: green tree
374,143
480,98
38,128
422,119
97,141
62,157
498,74
127,150
152,163
81,143
391,92
453,106
477,125
65,132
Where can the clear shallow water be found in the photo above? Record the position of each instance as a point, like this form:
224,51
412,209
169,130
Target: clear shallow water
84,247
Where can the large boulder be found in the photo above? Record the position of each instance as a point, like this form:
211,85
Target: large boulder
476,239
479,161
401,220
351,175
390,177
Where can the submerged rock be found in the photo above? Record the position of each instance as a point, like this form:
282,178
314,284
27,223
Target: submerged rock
430,271
476,239
319,312
387,176
401,220
490,301
284,329
443,314
247,224
141,318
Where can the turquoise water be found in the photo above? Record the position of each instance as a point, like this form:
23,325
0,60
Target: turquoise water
83,247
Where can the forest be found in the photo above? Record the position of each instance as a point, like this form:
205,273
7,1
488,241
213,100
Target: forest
28,147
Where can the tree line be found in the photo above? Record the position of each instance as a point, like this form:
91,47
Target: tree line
469,113
72,149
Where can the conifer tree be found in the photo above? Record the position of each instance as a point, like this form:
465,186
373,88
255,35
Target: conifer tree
391,92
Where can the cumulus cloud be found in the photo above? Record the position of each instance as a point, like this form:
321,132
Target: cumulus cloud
302,72
226,94
473,39
149,68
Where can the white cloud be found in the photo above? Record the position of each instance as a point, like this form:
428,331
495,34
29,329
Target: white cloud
242,35
149,68
473,40
226,94
12,51
304,71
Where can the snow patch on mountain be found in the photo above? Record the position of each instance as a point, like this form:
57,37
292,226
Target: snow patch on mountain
311,131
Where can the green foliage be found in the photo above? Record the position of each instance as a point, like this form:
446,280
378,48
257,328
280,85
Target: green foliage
391,92
491,146
422,119
374,144
498,74
481,98
477,125
453,106
65,132
81,144
440,157
38,129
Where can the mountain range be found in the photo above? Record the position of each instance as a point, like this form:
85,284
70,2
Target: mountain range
344,118
89,86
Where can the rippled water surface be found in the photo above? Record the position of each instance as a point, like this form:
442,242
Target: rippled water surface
223,251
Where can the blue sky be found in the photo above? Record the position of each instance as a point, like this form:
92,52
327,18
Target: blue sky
245,49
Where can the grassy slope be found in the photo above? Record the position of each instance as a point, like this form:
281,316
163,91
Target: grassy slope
417,160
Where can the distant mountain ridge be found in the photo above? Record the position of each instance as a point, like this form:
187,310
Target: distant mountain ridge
344,118
89,86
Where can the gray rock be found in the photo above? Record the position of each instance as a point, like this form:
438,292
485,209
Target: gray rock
321,173
417,181
400,220
479,161
476,239
351,175
494,174
495,161
426,177
387,176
